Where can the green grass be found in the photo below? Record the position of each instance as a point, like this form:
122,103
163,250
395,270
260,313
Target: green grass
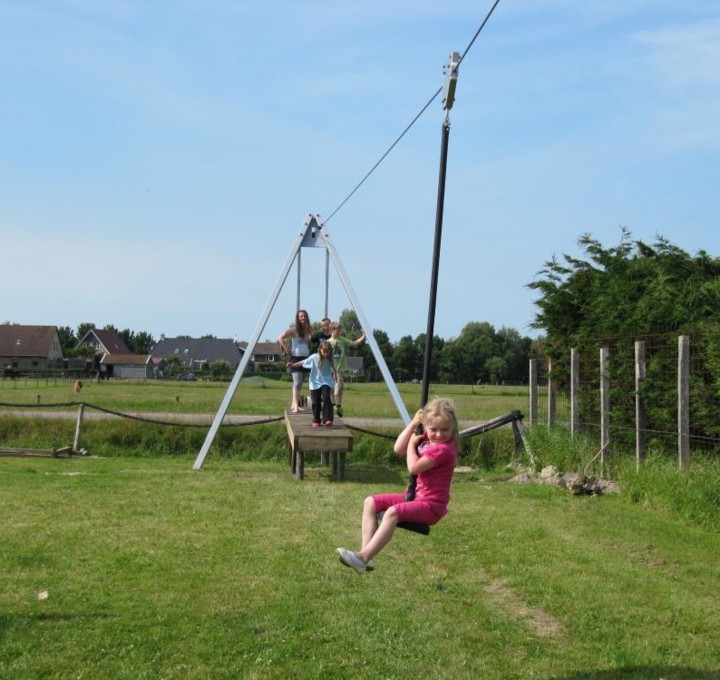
268,397
691,494
155,571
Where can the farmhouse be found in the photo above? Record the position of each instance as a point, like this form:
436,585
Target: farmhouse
196,354
263,351
355,367
104,342
27,348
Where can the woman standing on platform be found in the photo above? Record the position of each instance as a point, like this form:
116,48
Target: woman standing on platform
299,349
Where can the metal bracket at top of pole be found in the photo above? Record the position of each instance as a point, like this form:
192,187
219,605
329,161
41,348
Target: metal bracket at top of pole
450,71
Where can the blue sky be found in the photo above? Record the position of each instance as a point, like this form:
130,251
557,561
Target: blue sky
158,159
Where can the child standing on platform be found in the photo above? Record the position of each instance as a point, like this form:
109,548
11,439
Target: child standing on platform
340,347
322,380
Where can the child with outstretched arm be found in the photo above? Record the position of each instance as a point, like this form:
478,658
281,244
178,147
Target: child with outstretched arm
322,380
432,456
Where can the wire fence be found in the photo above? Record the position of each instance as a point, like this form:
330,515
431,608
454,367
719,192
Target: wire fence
642,394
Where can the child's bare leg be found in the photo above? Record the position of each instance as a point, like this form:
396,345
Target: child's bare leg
369,520
381,537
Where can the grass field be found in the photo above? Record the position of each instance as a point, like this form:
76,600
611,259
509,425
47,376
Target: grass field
143,569
266,397
164,400
129,564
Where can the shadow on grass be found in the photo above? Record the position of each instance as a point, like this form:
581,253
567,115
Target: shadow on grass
361,474
367,474
644,673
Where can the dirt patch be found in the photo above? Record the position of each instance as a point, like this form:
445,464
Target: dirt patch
505,599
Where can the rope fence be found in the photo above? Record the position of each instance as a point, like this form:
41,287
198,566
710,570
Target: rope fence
514,419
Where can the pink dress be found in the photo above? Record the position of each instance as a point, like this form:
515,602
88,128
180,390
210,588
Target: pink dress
432,495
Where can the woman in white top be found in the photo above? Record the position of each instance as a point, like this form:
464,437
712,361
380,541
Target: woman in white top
299,349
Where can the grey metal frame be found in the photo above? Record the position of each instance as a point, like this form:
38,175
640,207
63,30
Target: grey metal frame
312,235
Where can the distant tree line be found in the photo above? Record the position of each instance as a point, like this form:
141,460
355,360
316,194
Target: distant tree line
480,354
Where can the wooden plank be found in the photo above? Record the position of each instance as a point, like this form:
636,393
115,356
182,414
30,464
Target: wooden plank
303,437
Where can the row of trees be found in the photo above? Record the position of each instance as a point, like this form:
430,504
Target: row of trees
630,290
636,291
480,354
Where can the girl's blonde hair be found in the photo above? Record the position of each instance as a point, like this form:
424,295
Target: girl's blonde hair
442,409
324,344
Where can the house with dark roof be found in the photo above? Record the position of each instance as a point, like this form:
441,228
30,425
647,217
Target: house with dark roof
104,342
355,367
263,351
197,354
112,357
26,348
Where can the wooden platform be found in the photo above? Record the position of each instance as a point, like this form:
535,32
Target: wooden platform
304,438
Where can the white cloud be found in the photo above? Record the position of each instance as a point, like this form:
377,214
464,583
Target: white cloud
682,55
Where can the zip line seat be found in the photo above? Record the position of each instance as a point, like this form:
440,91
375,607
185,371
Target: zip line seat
417,527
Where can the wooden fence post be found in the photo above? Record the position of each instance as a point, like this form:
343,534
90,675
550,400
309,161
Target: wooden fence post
78,428
533,392
551,397
574,392
683,412
604,406
640,417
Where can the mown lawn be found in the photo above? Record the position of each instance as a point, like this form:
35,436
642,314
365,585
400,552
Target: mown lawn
152,570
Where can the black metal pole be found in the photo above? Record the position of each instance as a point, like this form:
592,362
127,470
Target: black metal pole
427,360
451,72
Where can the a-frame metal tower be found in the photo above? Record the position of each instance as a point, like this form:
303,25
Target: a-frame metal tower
312,235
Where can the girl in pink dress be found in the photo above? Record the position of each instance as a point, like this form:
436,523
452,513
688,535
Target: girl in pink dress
432,456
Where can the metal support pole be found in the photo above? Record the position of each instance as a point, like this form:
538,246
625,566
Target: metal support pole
427,359
451,73
327,283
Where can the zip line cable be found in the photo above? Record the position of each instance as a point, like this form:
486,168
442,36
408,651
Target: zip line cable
477,33
382,158
414,120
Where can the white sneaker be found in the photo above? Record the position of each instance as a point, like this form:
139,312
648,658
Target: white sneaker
350,559
370,566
